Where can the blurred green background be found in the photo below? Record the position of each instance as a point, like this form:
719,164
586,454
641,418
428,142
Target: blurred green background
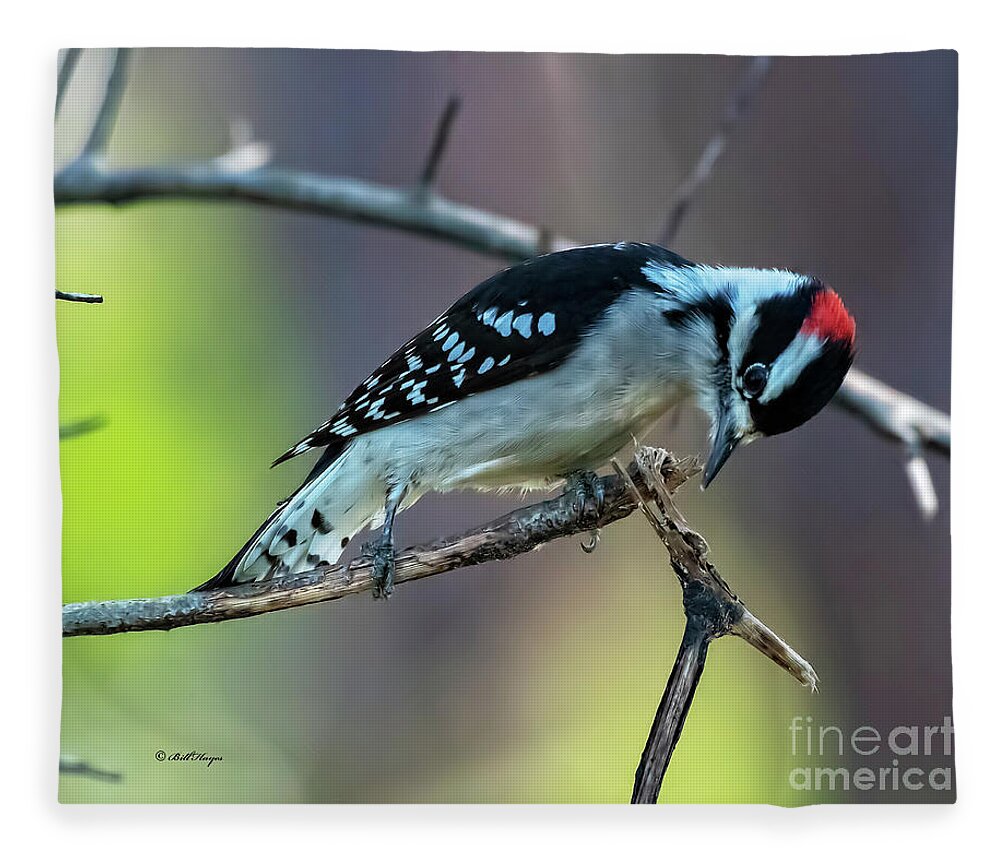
229,331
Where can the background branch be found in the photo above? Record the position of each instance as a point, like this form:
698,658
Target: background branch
77,767
739,107
107,114
70,57
79,428
440,142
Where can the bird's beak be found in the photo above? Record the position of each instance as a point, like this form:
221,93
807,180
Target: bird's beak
725,442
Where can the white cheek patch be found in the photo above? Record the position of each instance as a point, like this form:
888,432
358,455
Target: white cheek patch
790,364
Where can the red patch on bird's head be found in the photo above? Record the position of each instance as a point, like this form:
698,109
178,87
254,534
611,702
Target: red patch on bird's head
829,319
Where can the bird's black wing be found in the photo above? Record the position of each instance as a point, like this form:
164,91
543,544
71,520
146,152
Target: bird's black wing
523,321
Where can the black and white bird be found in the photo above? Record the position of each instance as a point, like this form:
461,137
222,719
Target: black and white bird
541,374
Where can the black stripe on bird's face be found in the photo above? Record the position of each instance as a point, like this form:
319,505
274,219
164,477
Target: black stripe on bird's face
717,310
779,319
808,394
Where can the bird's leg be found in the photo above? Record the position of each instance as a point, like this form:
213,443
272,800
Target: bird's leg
588,491
383,551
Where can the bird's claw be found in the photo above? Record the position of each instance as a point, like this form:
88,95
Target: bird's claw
592,542
383,558
589,492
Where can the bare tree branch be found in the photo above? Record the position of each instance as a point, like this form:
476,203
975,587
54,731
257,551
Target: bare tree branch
67,66
739,107
712,610
506,537
671,714
336,196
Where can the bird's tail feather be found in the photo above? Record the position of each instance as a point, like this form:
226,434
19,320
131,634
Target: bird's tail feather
312,526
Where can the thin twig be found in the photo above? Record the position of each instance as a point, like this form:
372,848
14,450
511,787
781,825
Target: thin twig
245,152
440,143
86,298
739,107
107,114
80,428
70,56
506,537
73,766
918,473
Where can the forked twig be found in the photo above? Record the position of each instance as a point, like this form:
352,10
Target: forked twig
712,610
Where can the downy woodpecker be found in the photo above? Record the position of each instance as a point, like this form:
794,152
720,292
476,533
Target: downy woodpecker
545,371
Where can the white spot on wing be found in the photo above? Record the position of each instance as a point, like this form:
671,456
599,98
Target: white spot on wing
502,325
486,365
450,342
523,325
547,323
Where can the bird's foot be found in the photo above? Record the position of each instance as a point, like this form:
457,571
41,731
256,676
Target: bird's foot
383,557
588,491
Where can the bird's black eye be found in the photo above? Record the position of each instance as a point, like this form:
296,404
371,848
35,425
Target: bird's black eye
754,380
